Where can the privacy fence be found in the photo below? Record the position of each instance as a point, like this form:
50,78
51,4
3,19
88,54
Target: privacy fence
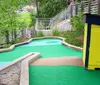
86,6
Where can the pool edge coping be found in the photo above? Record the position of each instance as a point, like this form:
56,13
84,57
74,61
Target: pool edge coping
56,37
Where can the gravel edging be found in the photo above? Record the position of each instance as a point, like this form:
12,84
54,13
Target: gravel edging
10,74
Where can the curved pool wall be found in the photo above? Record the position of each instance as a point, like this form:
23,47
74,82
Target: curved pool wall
47,47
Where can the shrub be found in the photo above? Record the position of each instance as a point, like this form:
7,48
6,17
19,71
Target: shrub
7,45
50,8
12,42
72,37
33,19
40,34
55,32
20,40
77,23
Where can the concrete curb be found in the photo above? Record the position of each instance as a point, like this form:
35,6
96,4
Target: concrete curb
24,77
13,46
21,75
63,42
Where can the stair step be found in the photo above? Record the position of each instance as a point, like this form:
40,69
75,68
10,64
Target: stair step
73,61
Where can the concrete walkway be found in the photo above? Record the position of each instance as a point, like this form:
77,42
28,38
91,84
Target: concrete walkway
64,25
74,61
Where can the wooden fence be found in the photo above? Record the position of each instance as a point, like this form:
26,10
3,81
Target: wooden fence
86,6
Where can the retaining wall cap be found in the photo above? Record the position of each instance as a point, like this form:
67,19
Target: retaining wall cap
24,77
17,60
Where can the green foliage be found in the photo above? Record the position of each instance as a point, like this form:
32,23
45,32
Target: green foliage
55,32
71,38
12,42
19,40
9,18
33,19
50,8
28,19
40,34
7,45
75,37
79,1
25,19
77,23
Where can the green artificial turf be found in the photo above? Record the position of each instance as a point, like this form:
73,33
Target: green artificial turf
62,75
45,51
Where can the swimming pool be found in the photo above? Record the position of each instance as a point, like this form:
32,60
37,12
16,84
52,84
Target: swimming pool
47,47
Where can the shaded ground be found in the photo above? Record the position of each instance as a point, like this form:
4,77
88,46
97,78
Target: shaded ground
74,61
63,75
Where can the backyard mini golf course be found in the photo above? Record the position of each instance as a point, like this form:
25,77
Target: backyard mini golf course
63,75
46,47
53,75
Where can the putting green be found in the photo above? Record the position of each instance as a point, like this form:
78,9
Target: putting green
63,75
46,47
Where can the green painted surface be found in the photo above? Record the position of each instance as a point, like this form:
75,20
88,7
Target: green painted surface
63,75
45,50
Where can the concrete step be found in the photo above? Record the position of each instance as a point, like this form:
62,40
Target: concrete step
73,61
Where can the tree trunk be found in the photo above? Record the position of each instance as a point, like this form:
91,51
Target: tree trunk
15,35
12,35
22,33
7,36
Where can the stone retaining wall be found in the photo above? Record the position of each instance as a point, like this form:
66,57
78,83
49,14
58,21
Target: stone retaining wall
10,74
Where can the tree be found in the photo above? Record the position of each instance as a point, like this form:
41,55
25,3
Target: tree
8,17
50,8
33,19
